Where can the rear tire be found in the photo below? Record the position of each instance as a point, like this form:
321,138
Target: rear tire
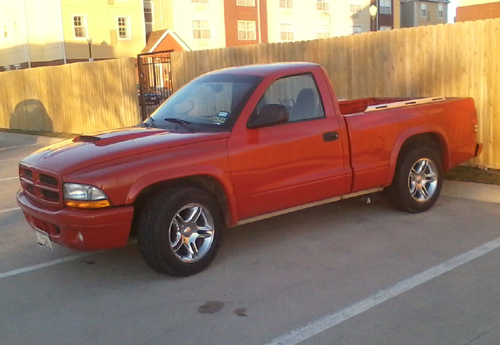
179,231
417,181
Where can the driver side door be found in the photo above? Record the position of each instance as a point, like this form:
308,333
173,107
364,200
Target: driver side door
294,163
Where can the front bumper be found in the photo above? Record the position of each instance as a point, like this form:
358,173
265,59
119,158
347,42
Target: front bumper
85,230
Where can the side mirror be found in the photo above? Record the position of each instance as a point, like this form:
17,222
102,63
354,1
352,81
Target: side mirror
268,115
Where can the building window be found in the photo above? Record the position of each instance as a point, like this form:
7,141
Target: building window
441,11
286,32
322,5
323,31
249,3
246,30
124,28
80,26
423,10
148,12
201,29
5,32
200,1
385,28
355,8
14,27
286,4
385,6
357,30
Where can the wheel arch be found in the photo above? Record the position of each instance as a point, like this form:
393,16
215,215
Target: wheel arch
434,139
208,183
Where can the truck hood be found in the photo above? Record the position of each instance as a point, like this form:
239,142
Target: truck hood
89,150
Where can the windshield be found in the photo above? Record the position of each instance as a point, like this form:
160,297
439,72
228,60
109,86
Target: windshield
211,103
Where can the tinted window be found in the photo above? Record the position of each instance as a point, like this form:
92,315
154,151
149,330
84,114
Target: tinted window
299,94
210,103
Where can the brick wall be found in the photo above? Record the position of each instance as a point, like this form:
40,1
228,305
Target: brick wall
478,12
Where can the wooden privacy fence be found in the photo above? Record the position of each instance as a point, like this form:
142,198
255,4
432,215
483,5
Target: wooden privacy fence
74,98
454,60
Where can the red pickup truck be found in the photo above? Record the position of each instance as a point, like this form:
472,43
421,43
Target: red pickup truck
234,146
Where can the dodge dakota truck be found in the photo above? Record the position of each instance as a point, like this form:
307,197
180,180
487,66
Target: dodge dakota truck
235,146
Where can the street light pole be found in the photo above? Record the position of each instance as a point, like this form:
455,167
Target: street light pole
89,42
373,13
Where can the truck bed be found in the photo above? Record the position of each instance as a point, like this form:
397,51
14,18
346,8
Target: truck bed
348,107
375,131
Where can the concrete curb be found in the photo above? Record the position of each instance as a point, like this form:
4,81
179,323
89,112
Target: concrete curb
49,140
10,139
472,191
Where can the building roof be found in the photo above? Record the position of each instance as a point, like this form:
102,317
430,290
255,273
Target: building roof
165,40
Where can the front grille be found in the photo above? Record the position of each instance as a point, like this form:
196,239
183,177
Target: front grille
30,189
50,180
40,186
28,174
50,195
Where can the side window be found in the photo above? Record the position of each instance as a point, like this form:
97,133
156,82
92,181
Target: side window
299,94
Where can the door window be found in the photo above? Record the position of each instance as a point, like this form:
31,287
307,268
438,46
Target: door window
299,94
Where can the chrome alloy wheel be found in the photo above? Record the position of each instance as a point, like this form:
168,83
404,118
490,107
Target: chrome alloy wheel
423,180
191,233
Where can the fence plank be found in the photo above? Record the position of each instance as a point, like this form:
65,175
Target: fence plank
74,98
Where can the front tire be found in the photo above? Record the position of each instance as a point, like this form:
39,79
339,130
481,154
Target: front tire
417,181
179,231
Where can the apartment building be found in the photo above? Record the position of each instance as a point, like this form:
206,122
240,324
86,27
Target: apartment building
245,22
54,32
468,10
388,14
199,24
423,12
207,24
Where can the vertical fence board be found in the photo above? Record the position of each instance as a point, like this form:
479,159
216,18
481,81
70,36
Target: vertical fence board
74,98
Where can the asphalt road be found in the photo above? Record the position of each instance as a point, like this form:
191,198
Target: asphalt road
347,273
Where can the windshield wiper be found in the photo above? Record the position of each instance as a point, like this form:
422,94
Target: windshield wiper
153,122
176,120
181,122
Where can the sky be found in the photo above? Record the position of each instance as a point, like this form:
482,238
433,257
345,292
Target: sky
452,10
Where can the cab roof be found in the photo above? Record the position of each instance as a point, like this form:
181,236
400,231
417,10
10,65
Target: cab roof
265,70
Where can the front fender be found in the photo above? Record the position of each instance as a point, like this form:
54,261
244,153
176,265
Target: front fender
150,180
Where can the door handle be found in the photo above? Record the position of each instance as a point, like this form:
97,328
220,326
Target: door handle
330,136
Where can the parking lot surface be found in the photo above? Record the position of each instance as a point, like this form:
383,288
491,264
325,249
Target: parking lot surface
346,273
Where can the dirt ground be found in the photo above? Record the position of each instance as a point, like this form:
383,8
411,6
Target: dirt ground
472,174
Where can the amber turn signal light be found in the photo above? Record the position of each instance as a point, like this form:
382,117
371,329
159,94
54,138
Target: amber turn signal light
87,204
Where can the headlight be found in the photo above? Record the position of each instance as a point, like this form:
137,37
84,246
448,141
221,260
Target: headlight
84,196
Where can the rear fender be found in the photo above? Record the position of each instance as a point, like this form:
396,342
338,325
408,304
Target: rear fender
419,136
